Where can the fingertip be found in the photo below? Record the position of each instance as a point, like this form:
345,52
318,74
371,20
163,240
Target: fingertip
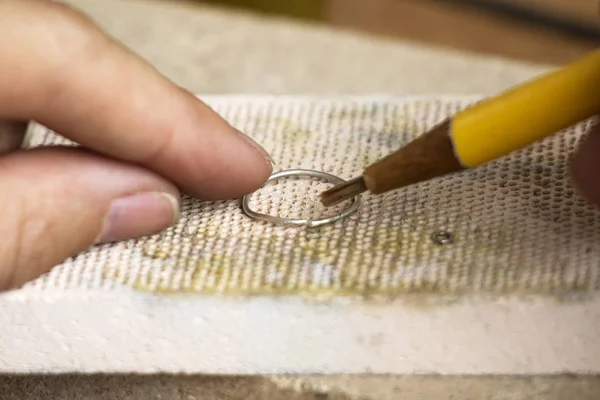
244,171
261,160
59,201
210,159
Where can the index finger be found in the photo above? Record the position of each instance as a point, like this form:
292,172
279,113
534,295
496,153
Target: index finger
61,70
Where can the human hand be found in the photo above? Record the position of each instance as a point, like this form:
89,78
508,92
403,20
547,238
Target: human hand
585,166
145,138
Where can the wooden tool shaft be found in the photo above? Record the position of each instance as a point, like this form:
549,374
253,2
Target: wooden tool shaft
429,156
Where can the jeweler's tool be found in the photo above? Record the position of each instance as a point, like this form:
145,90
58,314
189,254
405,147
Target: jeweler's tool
486,131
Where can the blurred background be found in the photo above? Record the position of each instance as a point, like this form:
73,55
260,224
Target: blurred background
546,31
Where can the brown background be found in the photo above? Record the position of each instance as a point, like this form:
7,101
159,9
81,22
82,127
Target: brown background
452,23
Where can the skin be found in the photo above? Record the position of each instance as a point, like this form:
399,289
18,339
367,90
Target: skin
144,140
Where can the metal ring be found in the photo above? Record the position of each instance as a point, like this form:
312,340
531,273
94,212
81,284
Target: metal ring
299,221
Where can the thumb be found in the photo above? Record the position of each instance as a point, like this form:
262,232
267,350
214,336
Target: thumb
57,202
585,166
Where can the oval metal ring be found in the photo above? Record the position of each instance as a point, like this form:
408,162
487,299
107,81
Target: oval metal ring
300,221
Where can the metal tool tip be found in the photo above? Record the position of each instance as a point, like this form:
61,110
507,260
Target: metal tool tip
343,191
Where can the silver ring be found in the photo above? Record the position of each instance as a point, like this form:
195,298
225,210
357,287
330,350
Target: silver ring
299,221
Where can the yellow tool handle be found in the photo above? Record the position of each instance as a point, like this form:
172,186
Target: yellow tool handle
527,113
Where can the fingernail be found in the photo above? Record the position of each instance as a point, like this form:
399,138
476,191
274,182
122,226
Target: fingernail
256,146
139,215
271,162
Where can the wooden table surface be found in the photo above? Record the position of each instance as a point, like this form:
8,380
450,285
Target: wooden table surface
454,23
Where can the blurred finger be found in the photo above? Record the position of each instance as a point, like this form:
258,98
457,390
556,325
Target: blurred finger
585,166
12,134
57,202
65,73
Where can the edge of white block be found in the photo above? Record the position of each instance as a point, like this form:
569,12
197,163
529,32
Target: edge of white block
127,331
